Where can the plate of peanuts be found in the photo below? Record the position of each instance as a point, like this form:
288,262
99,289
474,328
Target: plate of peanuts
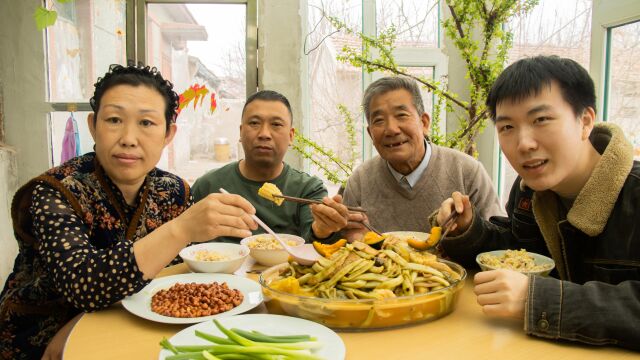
193,298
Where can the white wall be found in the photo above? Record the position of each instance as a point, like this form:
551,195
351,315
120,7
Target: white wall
22,85
280,56
22,70
8,182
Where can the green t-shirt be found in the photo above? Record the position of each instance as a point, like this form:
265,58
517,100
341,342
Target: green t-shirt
288,218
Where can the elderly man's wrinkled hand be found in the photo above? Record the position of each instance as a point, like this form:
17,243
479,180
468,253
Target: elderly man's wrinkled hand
329,217
217,215
502,293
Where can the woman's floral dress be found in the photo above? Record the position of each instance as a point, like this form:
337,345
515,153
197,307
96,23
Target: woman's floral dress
75,234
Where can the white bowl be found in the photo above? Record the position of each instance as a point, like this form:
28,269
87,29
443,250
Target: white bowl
274,256
235,252
537,259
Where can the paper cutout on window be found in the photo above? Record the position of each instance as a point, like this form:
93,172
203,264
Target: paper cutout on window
195,93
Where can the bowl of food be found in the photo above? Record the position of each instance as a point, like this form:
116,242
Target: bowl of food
266,250
518,260
361,288
214,257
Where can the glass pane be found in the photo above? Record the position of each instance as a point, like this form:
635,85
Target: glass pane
332,82
87,37
416,21
58,122
204,45
623,106
553,27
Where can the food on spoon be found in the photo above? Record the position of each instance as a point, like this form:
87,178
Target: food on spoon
268,190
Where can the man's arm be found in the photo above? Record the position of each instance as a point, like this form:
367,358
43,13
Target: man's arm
595,312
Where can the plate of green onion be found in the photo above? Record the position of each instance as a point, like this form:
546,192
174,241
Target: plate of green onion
254,336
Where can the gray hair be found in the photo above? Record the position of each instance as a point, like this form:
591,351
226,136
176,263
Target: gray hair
386,84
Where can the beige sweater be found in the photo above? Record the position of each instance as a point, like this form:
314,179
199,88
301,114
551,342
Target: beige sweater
392,208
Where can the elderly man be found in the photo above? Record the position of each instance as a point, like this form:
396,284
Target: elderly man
411,177
266,132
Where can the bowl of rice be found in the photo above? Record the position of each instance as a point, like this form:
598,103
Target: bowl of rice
517,260
266,250
214,257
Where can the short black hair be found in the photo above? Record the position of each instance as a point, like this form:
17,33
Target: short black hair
268,95
136,75
528,76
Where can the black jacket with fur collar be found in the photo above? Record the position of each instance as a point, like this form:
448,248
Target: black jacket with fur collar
595,244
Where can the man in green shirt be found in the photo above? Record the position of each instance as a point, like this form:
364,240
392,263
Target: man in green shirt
266,132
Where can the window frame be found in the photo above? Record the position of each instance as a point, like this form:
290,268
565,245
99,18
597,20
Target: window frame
606,16
404,57
138,24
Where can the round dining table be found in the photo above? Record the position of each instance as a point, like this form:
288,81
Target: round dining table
466,333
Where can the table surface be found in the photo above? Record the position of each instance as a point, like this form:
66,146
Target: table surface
466,333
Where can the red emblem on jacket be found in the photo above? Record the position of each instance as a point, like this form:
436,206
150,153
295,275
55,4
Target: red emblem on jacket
524,204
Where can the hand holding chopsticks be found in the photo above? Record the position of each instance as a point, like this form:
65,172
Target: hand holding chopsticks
460,212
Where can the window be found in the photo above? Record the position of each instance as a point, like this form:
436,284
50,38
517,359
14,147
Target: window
87,37
203,44
332,82
185,42
416,21
622,86
553,27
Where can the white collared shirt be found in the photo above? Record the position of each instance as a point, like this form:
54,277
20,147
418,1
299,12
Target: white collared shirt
410,180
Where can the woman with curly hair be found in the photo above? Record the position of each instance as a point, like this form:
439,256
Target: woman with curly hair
102,225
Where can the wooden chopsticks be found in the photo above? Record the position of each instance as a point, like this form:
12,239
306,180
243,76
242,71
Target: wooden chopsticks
368,226
448,223
309,201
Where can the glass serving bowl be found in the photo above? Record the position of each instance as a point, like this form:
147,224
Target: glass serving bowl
363,314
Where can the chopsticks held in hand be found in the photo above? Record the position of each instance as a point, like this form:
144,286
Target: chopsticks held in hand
309,201
448,223
368,226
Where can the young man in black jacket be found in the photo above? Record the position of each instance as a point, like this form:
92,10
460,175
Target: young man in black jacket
577,199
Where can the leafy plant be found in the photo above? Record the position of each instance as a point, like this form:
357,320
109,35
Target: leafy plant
46,17
477,30
334,168
469,20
